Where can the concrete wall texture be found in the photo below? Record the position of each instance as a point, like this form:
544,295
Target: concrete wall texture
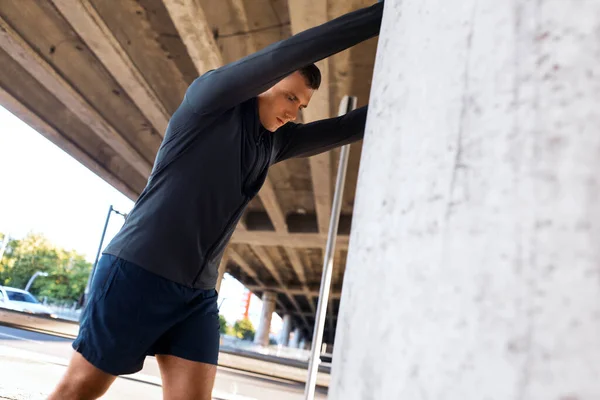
474,262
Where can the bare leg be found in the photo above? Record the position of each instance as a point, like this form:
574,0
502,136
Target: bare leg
183,379
82,381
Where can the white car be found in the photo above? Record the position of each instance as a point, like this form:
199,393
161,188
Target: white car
21,300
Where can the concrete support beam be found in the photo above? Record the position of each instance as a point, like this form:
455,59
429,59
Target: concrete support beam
239,260
477,217
272,206
29,60
267,194
299,270
294,291
194,30
91,28
264,257
50,133
305,14
291,240
286,329
262,333
296,264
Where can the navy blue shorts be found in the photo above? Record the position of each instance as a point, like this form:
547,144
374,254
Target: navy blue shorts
132,313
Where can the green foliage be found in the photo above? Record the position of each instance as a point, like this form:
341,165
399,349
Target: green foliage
67,271
222,324
230,330
243,329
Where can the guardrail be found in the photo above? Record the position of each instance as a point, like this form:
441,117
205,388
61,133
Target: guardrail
39,323
264,364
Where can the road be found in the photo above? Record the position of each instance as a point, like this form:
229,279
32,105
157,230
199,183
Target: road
31,363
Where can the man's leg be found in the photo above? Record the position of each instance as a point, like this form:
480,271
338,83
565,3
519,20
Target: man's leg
129,309
82,381
186,380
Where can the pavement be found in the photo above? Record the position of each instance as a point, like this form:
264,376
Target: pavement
32,363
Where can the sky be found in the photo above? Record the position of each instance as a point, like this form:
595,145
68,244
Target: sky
44,190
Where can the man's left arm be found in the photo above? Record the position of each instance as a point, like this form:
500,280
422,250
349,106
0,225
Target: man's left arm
304,140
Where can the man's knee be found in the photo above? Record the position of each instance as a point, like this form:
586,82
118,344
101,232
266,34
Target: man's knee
82,381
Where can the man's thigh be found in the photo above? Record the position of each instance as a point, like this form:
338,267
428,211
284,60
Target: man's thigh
188,352
196,337
184,379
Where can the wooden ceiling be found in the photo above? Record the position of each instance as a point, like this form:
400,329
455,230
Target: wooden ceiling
100,79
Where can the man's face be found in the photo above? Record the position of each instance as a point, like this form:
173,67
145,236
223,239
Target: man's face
280,104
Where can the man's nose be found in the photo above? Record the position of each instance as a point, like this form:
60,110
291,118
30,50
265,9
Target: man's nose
291,115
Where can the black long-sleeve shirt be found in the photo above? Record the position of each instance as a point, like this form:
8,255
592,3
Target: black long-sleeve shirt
216,154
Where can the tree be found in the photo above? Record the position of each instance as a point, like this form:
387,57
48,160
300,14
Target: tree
243,329
67,270
222,324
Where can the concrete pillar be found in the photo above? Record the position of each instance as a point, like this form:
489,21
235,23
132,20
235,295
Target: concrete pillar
262,333
295,342
284,337
476,228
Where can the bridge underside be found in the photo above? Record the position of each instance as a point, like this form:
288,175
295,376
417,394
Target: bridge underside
100,79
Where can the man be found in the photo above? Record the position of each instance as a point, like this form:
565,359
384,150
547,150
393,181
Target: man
154,289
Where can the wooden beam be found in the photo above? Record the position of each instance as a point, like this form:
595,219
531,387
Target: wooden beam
30,118
305,14
88,24
195,32
293,240
25,56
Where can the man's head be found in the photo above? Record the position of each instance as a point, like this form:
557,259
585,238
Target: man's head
281,103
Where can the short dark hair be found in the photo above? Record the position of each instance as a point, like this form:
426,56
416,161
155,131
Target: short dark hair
312,74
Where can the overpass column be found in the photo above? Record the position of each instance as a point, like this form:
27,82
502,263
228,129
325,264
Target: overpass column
295,342
284,337
264,327
477,215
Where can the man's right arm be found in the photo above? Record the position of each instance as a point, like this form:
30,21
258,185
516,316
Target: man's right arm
239,81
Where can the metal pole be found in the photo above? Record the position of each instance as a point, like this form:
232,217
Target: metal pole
30,282
347,104
89,282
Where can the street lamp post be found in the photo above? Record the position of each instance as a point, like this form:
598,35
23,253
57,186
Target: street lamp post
86,292
38,273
